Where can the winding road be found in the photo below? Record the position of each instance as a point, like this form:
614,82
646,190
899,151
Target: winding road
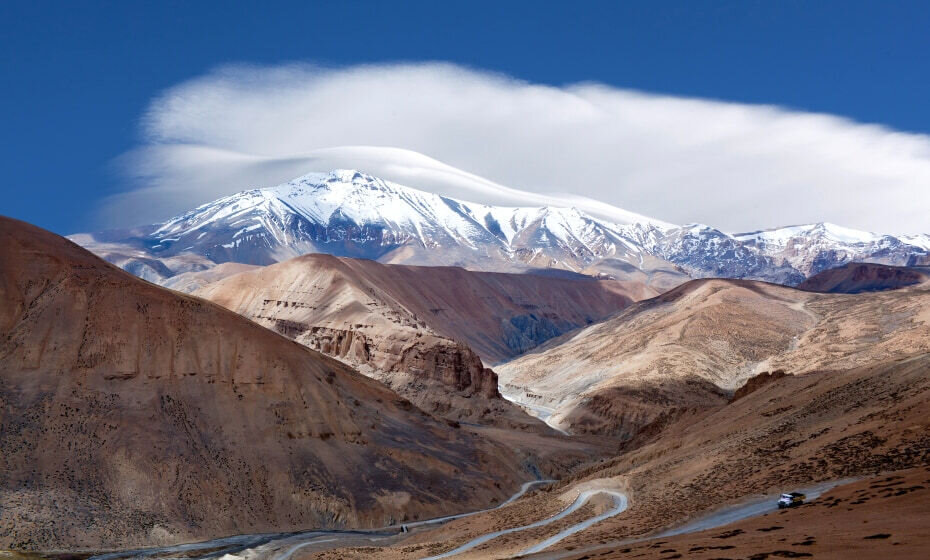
619,505
713,520
296,541
240,543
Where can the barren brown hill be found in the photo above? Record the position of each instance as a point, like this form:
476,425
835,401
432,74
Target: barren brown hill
415,327
855,278
132,415
792,432
692,346
498,315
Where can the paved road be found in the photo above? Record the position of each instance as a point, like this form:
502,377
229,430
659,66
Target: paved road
719,518
620,502
239,543
523,490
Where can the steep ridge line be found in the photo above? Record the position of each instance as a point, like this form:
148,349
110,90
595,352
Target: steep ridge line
426,332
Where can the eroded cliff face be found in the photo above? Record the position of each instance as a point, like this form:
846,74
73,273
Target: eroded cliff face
366,320
422,355
438,375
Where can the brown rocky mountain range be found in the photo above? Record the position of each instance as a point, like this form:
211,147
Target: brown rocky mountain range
425,331
134,415
695,344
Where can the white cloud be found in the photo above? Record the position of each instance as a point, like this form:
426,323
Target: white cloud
734,166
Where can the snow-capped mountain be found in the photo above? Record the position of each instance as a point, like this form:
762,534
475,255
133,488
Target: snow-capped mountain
812,248
705,252
785,255
348,213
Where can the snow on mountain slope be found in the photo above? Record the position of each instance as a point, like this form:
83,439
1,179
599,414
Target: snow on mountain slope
785,255
348,213
351,214
812,248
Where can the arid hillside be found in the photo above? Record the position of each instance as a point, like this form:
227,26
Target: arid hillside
879,517
498,315
855,278
692,346
415,328
132,415
790,433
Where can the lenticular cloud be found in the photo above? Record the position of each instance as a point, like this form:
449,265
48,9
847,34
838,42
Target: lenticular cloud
497,140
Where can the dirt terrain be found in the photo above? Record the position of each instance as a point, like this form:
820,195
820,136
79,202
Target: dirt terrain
692,346
855,278
790,432
415,328
882,516
133,415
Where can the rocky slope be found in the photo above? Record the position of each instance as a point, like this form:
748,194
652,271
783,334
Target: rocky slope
871,519
855,278
415,327
692,346
789,433
133,415
797,430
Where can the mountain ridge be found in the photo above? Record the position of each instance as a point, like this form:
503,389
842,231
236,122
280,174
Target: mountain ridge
350,214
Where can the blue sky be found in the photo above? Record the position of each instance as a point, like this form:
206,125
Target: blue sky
77,78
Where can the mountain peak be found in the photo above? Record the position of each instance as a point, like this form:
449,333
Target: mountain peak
349,213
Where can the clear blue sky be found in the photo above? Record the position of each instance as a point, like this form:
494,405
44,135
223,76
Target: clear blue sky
75,76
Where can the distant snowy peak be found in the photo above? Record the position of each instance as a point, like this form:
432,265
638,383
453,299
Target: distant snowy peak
784,255
833,233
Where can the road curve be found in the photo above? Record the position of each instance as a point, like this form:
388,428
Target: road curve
620,504
290,552
719,518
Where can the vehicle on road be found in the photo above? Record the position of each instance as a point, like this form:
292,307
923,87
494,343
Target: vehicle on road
792,499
